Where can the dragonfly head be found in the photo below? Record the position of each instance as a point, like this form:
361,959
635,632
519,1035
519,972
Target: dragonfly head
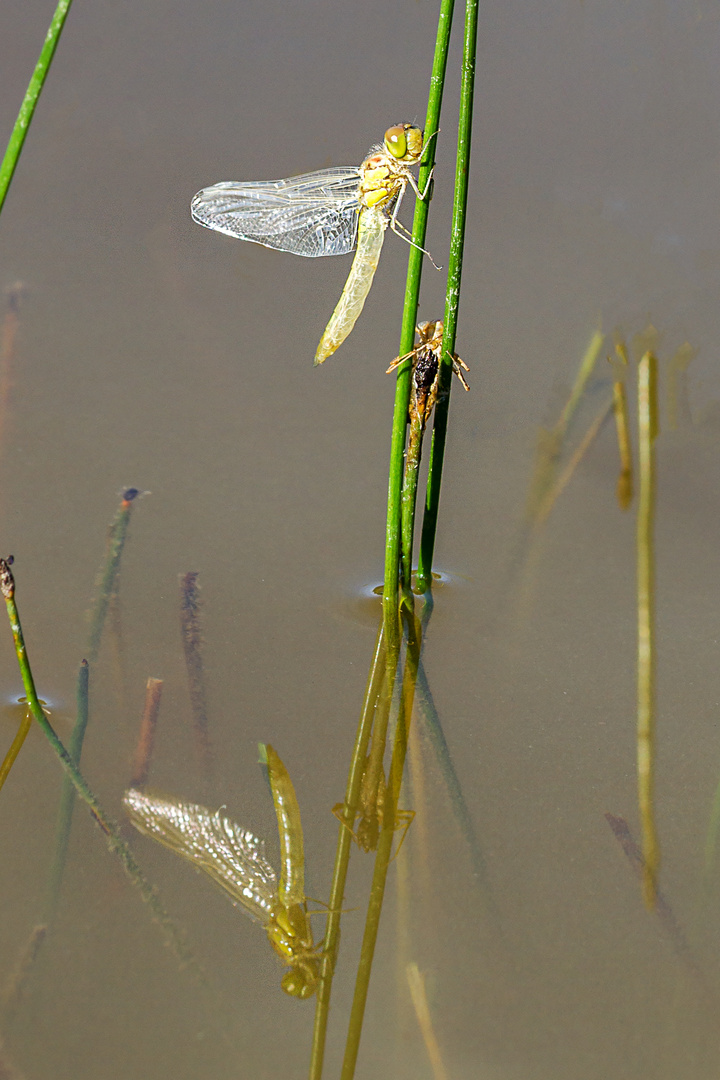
404,142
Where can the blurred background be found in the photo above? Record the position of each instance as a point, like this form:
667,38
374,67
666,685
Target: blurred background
156,354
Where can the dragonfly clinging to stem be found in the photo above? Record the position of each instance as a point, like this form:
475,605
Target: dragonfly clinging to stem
325,213
426,359
235,860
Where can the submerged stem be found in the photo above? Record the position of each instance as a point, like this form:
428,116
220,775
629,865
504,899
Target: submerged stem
342,857
384,848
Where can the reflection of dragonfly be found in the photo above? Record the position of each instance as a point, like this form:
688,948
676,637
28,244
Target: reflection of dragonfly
324,213
370,813
235,860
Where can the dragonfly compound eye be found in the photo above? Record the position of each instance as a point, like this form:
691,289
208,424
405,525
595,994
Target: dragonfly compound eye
396,142
414,141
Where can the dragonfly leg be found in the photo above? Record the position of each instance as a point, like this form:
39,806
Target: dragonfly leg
399,229
414,185
339,811
404,819
395,364
457,364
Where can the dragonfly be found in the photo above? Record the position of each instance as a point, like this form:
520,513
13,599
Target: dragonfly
327,212
235,860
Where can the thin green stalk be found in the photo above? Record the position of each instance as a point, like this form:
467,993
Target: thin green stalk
67,796
17,138
452,298
116,844
331,943
407,336
107,579
384,850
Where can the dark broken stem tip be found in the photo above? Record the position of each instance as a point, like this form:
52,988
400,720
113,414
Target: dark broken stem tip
7,581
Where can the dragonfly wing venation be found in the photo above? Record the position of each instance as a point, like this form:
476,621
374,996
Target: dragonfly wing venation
312,215
232,856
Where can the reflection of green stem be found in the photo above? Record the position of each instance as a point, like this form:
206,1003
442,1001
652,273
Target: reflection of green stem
384,849
711,840
407,335
551,443
342,856
116,844
67,796
108,577
17,138
433,727
452,298
15,747
647,431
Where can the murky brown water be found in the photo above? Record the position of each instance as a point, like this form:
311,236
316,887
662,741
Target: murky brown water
157,354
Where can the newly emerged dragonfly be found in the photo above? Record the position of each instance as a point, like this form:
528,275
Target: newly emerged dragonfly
324,213
235,860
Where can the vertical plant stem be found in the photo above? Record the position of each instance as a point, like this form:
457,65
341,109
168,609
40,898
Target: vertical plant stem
407,336
376,678
624,490
107,581
191,631
384,849
452,298
647,432
67,795
17,138
146,739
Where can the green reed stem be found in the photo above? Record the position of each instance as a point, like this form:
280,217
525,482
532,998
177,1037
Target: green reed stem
407,335
384,849
67,795
114,841
17,138
331,942
452,298
107,580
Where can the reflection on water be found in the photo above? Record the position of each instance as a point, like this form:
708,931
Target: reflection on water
143,355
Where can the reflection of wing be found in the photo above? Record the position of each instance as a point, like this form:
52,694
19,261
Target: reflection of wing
231,856
313,214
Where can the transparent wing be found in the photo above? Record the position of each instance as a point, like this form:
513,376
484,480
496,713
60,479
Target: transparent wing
313,214
230,855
